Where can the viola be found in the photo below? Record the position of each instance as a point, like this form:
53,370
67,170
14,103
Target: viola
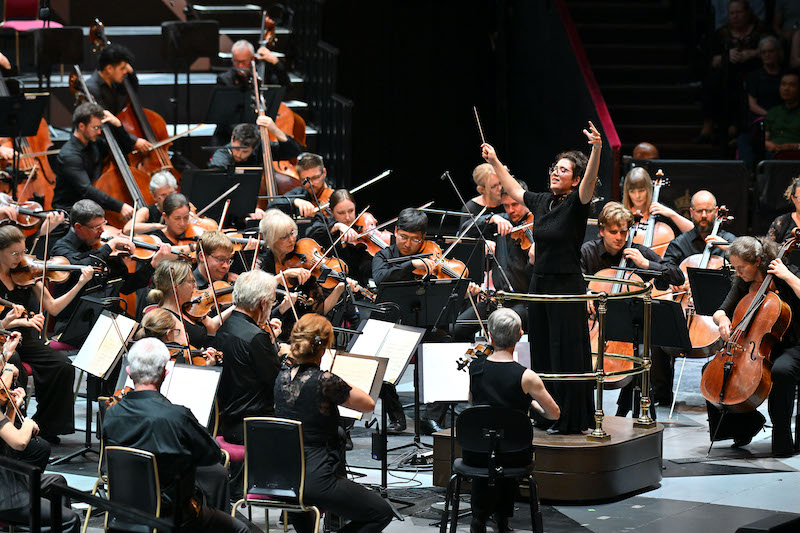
192,355
119,180
658,234
371,239
139,121
523,233
199,225
480,350
30,214
444,268
703,333
148,245
328,271
738,378
31,270
202,301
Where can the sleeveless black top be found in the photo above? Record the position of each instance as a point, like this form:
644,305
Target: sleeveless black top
498,384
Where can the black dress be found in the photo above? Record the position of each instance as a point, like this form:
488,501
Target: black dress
358,260
559,331
781,229
196,332
312,397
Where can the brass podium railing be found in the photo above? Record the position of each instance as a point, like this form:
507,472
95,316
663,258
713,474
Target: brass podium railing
642,291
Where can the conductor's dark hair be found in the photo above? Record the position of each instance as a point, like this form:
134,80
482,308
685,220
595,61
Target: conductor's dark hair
84,113
113,54
412,220
578,160
247,134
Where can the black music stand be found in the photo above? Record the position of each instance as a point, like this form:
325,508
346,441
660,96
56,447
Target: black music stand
425,303
229,106
183,42
20,117
205,186
709,288
56,46
84,317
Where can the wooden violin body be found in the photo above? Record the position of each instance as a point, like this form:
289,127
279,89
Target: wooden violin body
372,240
445,268
524,237
202,301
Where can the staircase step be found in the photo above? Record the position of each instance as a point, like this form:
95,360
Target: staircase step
657,133
641,12
650,94
621,33
615,54
234,15
661,114
644,74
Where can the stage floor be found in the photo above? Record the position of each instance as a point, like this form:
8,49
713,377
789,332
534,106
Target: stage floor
721,493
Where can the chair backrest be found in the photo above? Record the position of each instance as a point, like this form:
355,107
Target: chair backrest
133,478
513,435
274,459
20,9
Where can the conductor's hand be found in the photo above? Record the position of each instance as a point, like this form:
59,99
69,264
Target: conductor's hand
488,153
126,212
595,139
108,117
305,207
504,227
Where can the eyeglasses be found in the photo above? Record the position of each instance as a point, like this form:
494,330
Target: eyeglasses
222,260
316,178
403,237
560,171
96,128
17,254
289,235
704,211
191,281
97,226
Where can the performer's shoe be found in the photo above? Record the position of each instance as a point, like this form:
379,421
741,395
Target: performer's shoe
429,427
782,445
348,442
477,526
502,524
396,426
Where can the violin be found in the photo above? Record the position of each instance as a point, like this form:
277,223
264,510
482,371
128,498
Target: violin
239,241
192,355
522,234
30,214
444,268
148,245
323,201
118,395
202,301
703,332
371,239
30,270
198,225
658,234
139,121
738,378
480,350
328,271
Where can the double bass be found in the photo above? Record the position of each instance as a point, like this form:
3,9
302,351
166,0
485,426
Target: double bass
738,378
140,121
123,182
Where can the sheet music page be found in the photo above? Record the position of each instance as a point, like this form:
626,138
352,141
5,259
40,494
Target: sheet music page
398,348
441,380
164,385
327,360
372,337
103,344
522,354
194,387
356,372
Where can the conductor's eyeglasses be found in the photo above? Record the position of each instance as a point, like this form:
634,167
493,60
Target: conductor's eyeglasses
560,171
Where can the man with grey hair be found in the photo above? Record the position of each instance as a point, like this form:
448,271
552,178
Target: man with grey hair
499,381
184,449
251,360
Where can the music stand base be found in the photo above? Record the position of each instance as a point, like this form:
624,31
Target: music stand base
73,455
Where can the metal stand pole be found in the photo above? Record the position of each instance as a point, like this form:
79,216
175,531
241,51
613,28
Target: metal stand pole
598,433
644,420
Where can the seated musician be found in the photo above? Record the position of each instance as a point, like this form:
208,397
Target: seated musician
488,185
244,150
304,392
174,284
176,215
214,258
510,257
82,246
16,438
81,160
186,454
160,324
614,223
637,195
300,200
499,381
107,87
54,372
343,214
754,258
251,360
279,232
149,217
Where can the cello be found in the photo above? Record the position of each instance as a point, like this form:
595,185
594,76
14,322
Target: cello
738,378
140,121
658,234
119,180
703,333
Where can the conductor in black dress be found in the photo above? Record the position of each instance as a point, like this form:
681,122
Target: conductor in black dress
558,331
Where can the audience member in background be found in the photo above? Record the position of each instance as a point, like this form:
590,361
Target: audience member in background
721,11
786,18
782,124
645,150
734,53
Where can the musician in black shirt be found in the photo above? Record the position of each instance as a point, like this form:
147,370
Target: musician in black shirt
81,160
245,147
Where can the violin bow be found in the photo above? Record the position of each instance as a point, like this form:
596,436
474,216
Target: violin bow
255,254
477,314
391,221
5,389
210,283
339,238
218,200
460,236
180,311
288,295
44,278
157,145
480,129
224,212
357,188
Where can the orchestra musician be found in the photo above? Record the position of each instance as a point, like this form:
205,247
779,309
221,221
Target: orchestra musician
160,324
186,454
300,200
176,216
149,217
637,195
499,381
53,372
251,360
614,222
703,212
511,257
753,258
489,196
559,332
783,225
106,84
244,149
82,246
215,263
81,160
304,392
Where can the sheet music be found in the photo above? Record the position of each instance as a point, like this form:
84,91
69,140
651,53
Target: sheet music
103,344
356,372
194,387
397,348
372,337
522,353
440,378
327,360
